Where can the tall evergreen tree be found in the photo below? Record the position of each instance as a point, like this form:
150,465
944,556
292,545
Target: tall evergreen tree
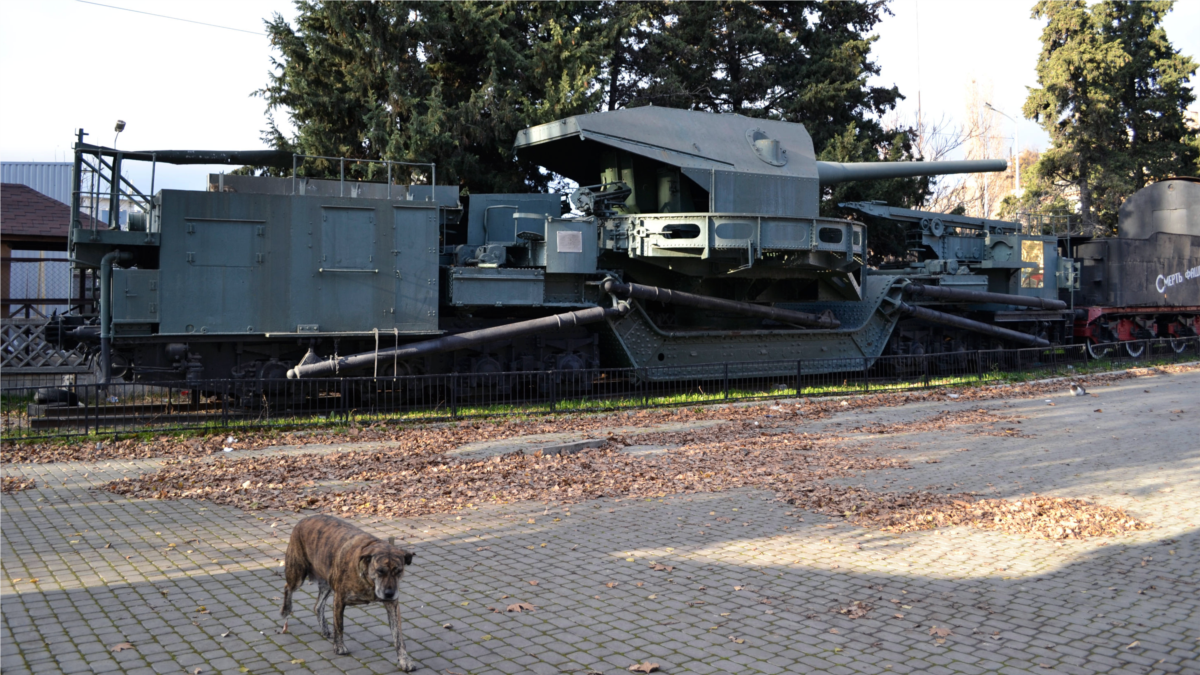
805,62
452,82
1154,91
1112,94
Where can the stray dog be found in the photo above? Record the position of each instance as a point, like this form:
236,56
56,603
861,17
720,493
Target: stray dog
353,566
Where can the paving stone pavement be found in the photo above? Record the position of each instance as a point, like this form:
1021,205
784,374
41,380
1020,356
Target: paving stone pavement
753,589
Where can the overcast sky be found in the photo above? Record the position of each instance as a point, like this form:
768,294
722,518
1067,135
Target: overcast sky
65,64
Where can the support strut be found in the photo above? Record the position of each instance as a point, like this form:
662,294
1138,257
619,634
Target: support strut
106,270
933,316
449,343
666,295
958,294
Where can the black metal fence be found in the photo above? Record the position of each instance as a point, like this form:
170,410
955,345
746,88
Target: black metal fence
219,405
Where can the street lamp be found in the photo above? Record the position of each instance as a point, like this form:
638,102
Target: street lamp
1016,143
119,128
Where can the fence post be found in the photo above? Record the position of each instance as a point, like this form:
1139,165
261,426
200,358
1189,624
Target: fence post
553,391
725,386
645,387
866,378
979,366
225,404
925,369
453,396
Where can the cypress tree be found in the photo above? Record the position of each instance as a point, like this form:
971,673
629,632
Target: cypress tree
1112,94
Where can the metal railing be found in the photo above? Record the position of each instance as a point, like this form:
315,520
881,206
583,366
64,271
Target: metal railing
245,404
354,162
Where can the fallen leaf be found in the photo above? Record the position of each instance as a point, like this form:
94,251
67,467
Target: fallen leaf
898,616
1133,644
197,670
520,607
855,610
297,661
611,584
533,583
646,667
737,640
120,647
202,610
940,632
662,568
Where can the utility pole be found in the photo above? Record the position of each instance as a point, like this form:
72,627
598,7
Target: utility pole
1016,144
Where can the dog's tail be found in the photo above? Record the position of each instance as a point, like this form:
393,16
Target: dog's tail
296,570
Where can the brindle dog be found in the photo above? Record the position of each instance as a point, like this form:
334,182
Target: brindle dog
355,567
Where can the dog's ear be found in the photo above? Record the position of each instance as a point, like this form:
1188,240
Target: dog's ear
408,558
364,562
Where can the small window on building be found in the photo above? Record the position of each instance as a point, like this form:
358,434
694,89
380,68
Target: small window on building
1032,252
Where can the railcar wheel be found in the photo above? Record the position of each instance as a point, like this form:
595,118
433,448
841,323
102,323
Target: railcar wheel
1098,351
1135,348
1178,345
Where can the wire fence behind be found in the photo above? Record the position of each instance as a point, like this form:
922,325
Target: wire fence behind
247,404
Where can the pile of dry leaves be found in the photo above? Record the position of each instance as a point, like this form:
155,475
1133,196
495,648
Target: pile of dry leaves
414,475
942,421
10,484
1037,516
1042,517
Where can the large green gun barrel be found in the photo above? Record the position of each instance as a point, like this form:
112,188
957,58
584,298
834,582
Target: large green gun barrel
831,173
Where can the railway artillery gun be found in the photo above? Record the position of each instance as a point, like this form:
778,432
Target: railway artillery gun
695,242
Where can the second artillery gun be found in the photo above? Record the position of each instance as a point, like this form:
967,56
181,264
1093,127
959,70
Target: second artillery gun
696,241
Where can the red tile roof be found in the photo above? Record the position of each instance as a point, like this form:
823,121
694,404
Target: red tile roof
25,212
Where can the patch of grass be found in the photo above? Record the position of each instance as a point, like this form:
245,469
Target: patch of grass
279,422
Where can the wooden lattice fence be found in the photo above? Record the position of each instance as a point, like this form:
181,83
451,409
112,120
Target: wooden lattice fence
24,349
